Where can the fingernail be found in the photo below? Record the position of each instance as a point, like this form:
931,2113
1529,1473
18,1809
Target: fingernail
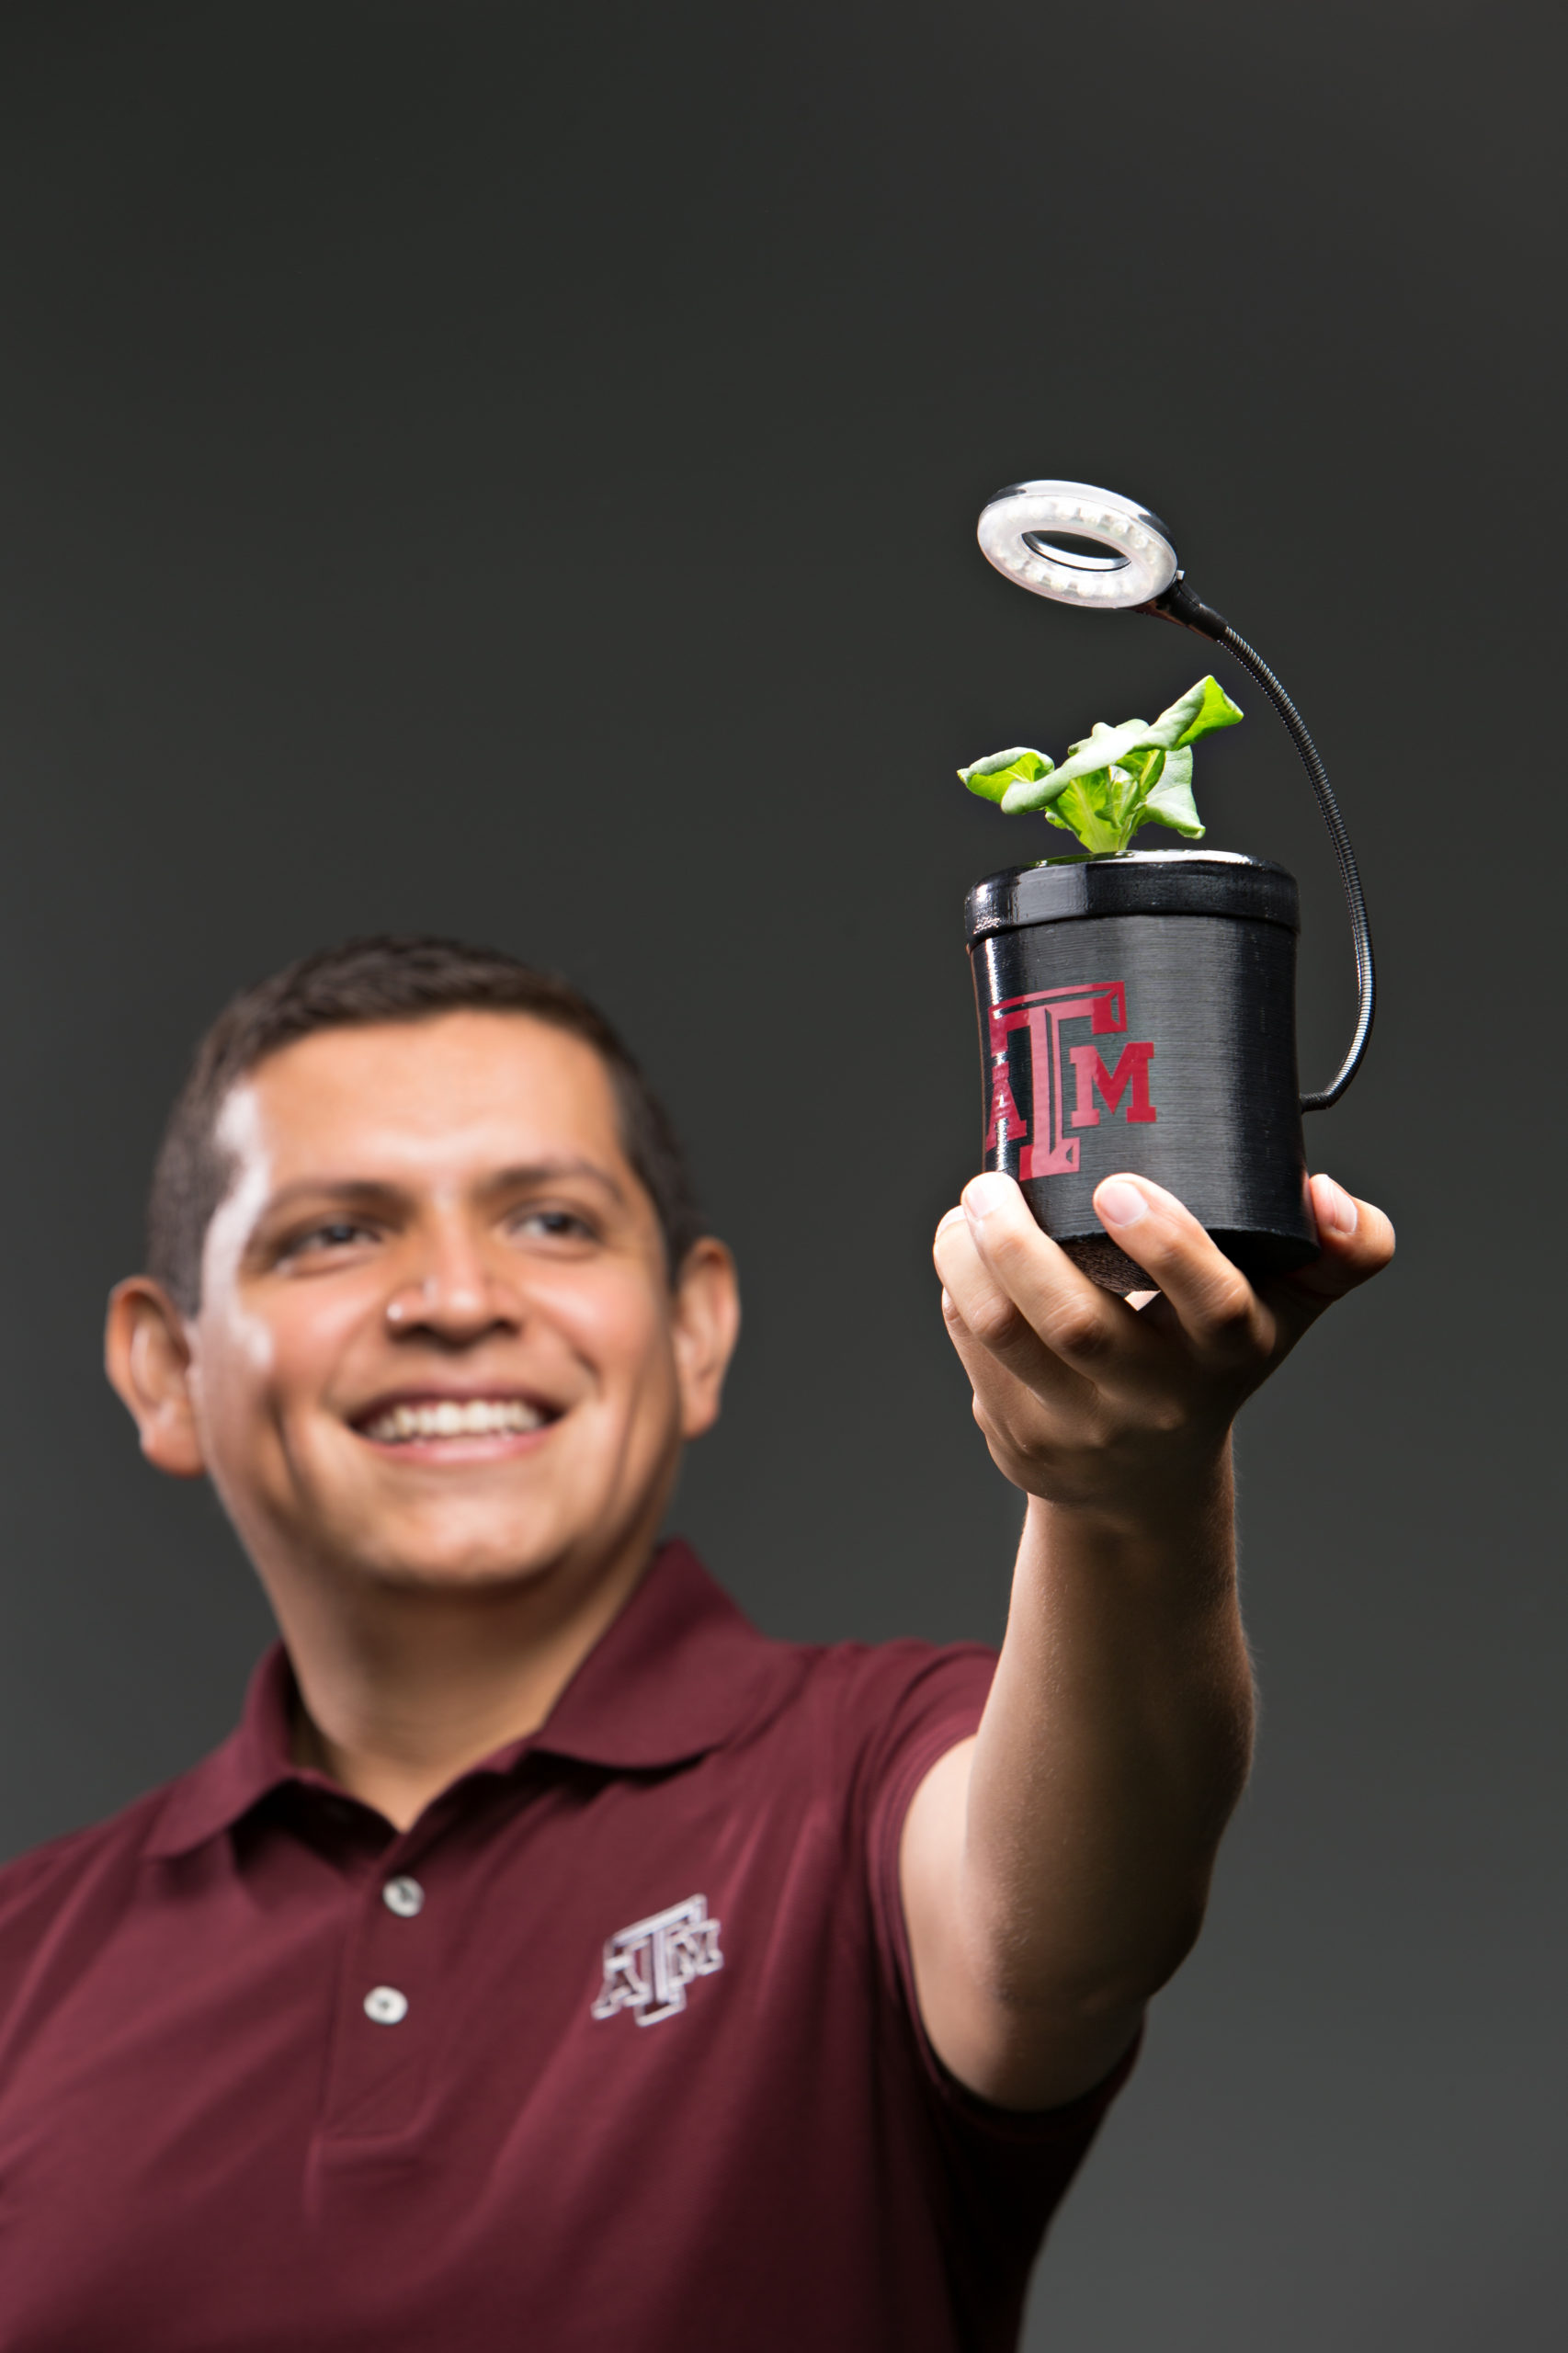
1343,1216
1120,1203
949,1217
983,1194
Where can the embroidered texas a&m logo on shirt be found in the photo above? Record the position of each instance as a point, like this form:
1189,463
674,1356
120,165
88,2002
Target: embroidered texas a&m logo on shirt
649,1966
1045,1013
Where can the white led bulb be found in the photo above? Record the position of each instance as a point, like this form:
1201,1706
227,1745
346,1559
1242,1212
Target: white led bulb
1035,533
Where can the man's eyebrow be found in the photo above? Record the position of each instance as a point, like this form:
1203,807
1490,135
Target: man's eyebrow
331,1188
530,1172
366,1191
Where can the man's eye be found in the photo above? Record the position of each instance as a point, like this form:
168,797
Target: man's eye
554,1225
336,1233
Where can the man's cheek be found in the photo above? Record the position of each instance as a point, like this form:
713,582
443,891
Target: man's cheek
236,1351
607,1313
296,1352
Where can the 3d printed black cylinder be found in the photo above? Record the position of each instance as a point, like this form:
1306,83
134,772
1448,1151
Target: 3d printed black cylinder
1138,1013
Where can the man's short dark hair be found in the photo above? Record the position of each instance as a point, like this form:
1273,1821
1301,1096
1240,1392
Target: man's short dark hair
386,978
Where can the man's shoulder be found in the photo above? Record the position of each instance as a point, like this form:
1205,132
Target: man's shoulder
856,1703
871,1674
684,1672
48,1877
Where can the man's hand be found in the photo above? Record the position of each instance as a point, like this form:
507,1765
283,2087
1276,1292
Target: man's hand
1055,1868
1099,1406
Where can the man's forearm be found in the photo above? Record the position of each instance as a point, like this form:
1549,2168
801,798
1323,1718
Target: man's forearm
1054,1869
1114,1747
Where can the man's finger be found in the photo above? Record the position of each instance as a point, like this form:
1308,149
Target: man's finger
1211,1298
1085,1327
1356,1242
1019,1413
983,1313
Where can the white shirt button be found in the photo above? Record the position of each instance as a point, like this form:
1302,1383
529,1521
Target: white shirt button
386,2005
404,1896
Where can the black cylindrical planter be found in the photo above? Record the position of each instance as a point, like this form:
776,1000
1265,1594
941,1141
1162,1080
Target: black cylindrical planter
1138,1011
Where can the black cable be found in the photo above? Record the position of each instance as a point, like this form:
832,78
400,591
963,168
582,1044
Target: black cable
1178,604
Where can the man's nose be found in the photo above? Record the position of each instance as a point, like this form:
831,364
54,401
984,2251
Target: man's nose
451,1291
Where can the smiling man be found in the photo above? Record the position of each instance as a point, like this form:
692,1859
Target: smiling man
548,1958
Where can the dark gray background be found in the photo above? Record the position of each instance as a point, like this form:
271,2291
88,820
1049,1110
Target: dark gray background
514,470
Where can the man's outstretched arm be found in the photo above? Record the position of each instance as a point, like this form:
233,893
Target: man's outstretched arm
1055,1868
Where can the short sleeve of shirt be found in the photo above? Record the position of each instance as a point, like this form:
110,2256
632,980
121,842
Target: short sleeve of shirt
997,2173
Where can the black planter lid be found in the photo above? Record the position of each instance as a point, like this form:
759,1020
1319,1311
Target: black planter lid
1135,883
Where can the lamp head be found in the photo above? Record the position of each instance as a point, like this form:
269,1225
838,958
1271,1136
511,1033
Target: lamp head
1078,545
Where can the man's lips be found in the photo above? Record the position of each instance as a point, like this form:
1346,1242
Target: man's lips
473,1425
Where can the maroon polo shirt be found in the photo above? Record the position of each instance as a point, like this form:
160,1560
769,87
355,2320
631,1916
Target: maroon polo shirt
615,2047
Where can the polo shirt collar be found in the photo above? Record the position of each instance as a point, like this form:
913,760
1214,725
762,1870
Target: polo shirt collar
677,1673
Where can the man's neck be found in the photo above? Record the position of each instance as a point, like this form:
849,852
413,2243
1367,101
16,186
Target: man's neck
402,1692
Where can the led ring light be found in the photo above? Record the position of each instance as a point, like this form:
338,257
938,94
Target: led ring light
1091,548
1029,532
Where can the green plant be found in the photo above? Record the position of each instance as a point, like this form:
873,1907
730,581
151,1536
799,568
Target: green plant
1116,778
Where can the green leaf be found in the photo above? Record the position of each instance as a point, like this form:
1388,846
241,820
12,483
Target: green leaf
1101,747
1092,807
1116,778
1170,802
1145,767
1199,711
1020,799
1005,772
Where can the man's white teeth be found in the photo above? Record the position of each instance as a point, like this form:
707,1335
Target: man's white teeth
471,1417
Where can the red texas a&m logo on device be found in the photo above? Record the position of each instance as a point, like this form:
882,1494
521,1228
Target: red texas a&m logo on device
1045,1014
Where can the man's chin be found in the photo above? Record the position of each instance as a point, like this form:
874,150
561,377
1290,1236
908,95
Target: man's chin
448,1559
477,1571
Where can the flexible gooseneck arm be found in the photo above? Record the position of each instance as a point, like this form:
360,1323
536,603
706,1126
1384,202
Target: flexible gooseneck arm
1179,605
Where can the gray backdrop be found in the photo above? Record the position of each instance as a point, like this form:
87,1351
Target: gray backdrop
513,471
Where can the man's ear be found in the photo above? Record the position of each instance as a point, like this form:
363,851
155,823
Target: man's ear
707,1325
147,1358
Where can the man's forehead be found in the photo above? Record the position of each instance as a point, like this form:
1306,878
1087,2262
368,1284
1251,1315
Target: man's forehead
431,1094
